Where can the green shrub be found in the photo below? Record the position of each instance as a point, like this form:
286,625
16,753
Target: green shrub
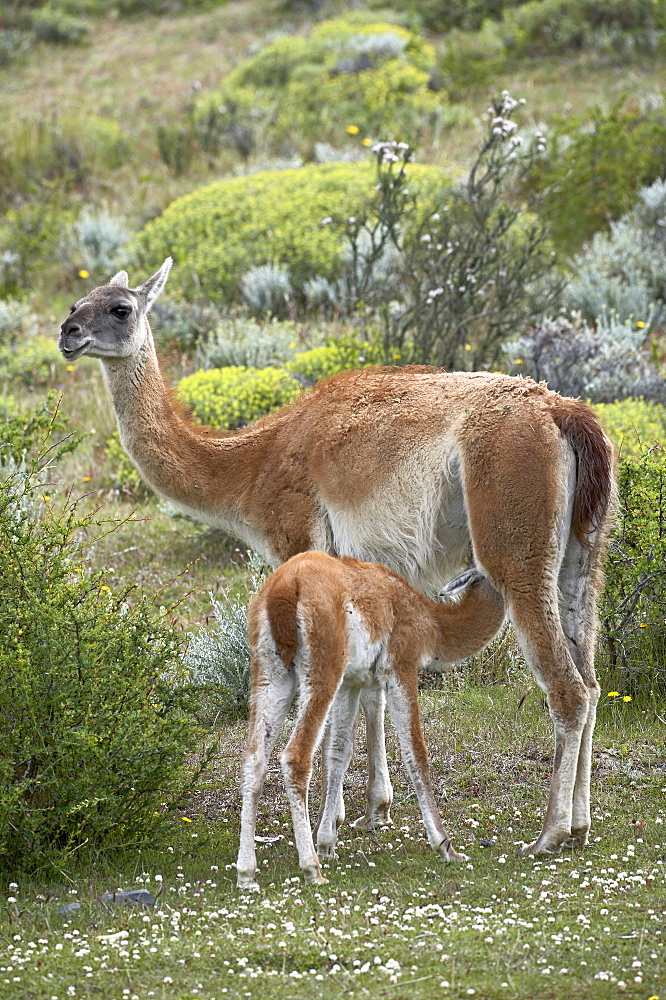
53,25
594,170
374,77
24,435
218,232
634,425
616,30
472,59
633,610
30,242
338,355
35,363
550,27
226,398
95,725
441,17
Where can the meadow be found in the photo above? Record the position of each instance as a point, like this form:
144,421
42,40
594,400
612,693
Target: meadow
245,139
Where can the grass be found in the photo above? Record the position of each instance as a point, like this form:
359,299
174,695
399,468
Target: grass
393,921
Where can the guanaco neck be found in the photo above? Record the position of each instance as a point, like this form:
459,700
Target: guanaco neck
205,476
464,628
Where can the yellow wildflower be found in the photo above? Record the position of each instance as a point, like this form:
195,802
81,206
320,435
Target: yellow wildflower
105,589
640,325
86,479
366,142
292,345
186,819
353,129
517,361
468,347
46,498
83,273
627,697
613,694
71,368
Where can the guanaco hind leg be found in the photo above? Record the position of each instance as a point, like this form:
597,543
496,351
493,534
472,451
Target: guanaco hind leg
578,583
526,570
270,702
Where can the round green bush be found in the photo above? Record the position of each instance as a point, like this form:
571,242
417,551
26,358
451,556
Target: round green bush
634,425
215,234
226,398
374,77
336,356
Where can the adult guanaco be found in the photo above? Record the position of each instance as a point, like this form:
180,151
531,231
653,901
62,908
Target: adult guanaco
425,471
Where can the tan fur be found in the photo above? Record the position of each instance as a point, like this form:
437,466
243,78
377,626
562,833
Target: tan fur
323,629
422,470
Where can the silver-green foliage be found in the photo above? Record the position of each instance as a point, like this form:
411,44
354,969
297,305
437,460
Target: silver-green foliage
100,237
242,342
624,270
219,661
599,349
266,289
17,321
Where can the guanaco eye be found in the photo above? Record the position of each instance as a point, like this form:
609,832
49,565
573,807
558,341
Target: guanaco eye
122,312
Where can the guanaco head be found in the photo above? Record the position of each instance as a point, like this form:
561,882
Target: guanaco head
110,321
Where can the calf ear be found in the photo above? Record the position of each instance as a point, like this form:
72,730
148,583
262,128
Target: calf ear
121,279
154,286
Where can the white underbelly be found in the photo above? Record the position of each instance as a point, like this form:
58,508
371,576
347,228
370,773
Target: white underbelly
416,523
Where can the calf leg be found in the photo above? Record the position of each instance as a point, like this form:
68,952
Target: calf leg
336,756
379,791
297,759
269,705
403,707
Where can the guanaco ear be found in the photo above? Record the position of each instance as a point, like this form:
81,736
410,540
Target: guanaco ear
121,279
154,286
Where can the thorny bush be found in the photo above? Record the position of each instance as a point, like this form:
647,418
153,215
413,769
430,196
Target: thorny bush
469,273
95,728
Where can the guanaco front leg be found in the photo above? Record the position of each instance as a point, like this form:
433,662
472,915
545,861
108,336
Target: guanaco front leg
403,706
336,756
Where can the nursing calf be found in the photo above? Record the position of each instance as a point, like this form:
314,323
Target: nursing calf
326,629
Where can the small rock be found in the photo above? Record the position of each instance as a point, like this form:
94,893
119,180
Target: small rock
484,842
135,897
